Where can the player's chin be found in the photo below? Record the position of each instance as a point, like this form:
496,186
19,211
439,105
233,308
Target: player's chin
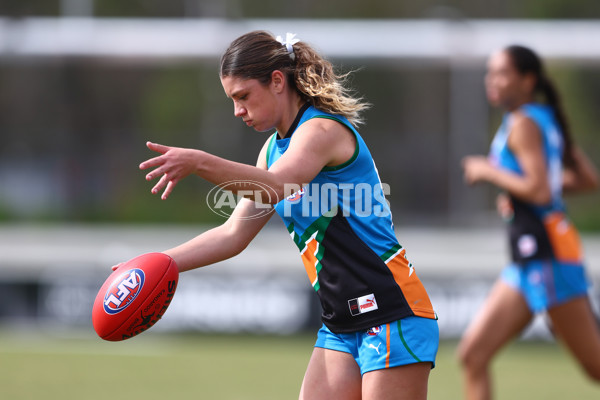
261,129
494,101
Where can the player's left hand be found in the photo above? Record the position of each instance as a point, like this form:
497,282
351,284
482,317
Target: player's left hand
476,169
172,165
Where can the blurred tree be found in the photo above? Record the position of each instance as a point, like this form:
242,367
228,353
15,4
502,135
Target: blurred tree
77,157
26,8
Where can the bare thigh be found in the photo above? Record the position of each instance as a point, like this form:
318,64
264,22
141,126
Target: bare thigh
331,375
408,382
576,326
503,316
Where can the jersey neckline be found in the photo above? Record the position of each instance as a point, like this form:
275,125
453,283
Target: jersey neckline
296,122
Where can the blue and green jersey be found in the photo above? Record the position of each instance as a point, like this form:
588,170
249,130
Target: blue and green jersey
342,225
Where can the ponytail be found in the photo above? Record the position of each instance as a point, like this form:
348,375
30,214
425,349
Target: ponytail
317,82
548,90
526,61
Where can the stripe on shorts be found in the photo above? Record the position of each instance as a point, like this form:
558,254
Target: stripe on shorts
388,345
404,341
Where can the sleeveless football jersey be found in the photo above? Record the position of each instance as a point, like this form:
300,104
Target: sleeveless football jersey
342,225
539,232
503,157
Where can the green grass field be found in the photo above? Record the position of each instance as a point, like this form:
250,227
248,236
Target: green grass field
227,367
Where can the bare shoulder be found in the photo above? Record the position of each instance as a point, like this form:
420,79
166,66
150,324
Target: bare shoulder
331,139
524,131
522,122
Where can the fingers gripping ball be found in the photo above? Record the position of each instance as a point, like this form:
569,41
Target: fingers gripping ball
135,296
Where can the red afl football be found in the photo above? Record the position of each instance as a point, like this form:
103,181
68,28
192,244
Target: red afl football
135,296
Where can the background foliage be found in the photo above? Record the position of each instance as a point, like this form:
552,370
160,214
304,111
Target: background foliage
73,130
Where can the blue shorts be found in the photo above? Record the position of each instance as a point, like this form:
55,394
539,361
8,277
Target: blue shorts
406,341
546,284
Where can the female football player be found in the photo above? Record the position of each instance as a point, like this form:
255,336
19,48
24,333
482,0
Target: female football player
379,336
533,160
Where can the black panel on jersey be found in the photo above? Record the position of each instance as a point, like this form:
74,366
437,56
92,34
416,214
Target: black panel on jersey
526,222
350,269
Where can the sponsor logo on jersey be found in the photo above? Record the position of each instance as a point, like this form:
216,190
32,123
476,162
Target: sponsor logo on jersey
527,245
124,289
362,304
295,197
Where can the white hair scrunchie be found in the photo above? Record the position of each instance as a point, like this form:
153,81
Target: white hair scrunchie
290,40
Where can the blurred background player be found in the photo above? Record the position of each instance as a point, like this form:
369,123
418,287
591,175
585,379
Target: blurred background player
379,336
532,160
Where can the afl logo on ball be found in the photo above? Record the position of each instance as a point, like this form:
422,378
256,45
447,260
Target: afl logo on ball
123,291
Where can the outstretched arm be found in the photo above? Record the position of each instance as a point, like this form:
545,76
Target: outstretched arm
227,240
222,242
176,163
316,144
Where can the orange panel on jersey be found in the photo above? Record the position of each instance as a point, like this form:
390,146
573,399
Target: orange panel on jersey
564,238
411,286
310,260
